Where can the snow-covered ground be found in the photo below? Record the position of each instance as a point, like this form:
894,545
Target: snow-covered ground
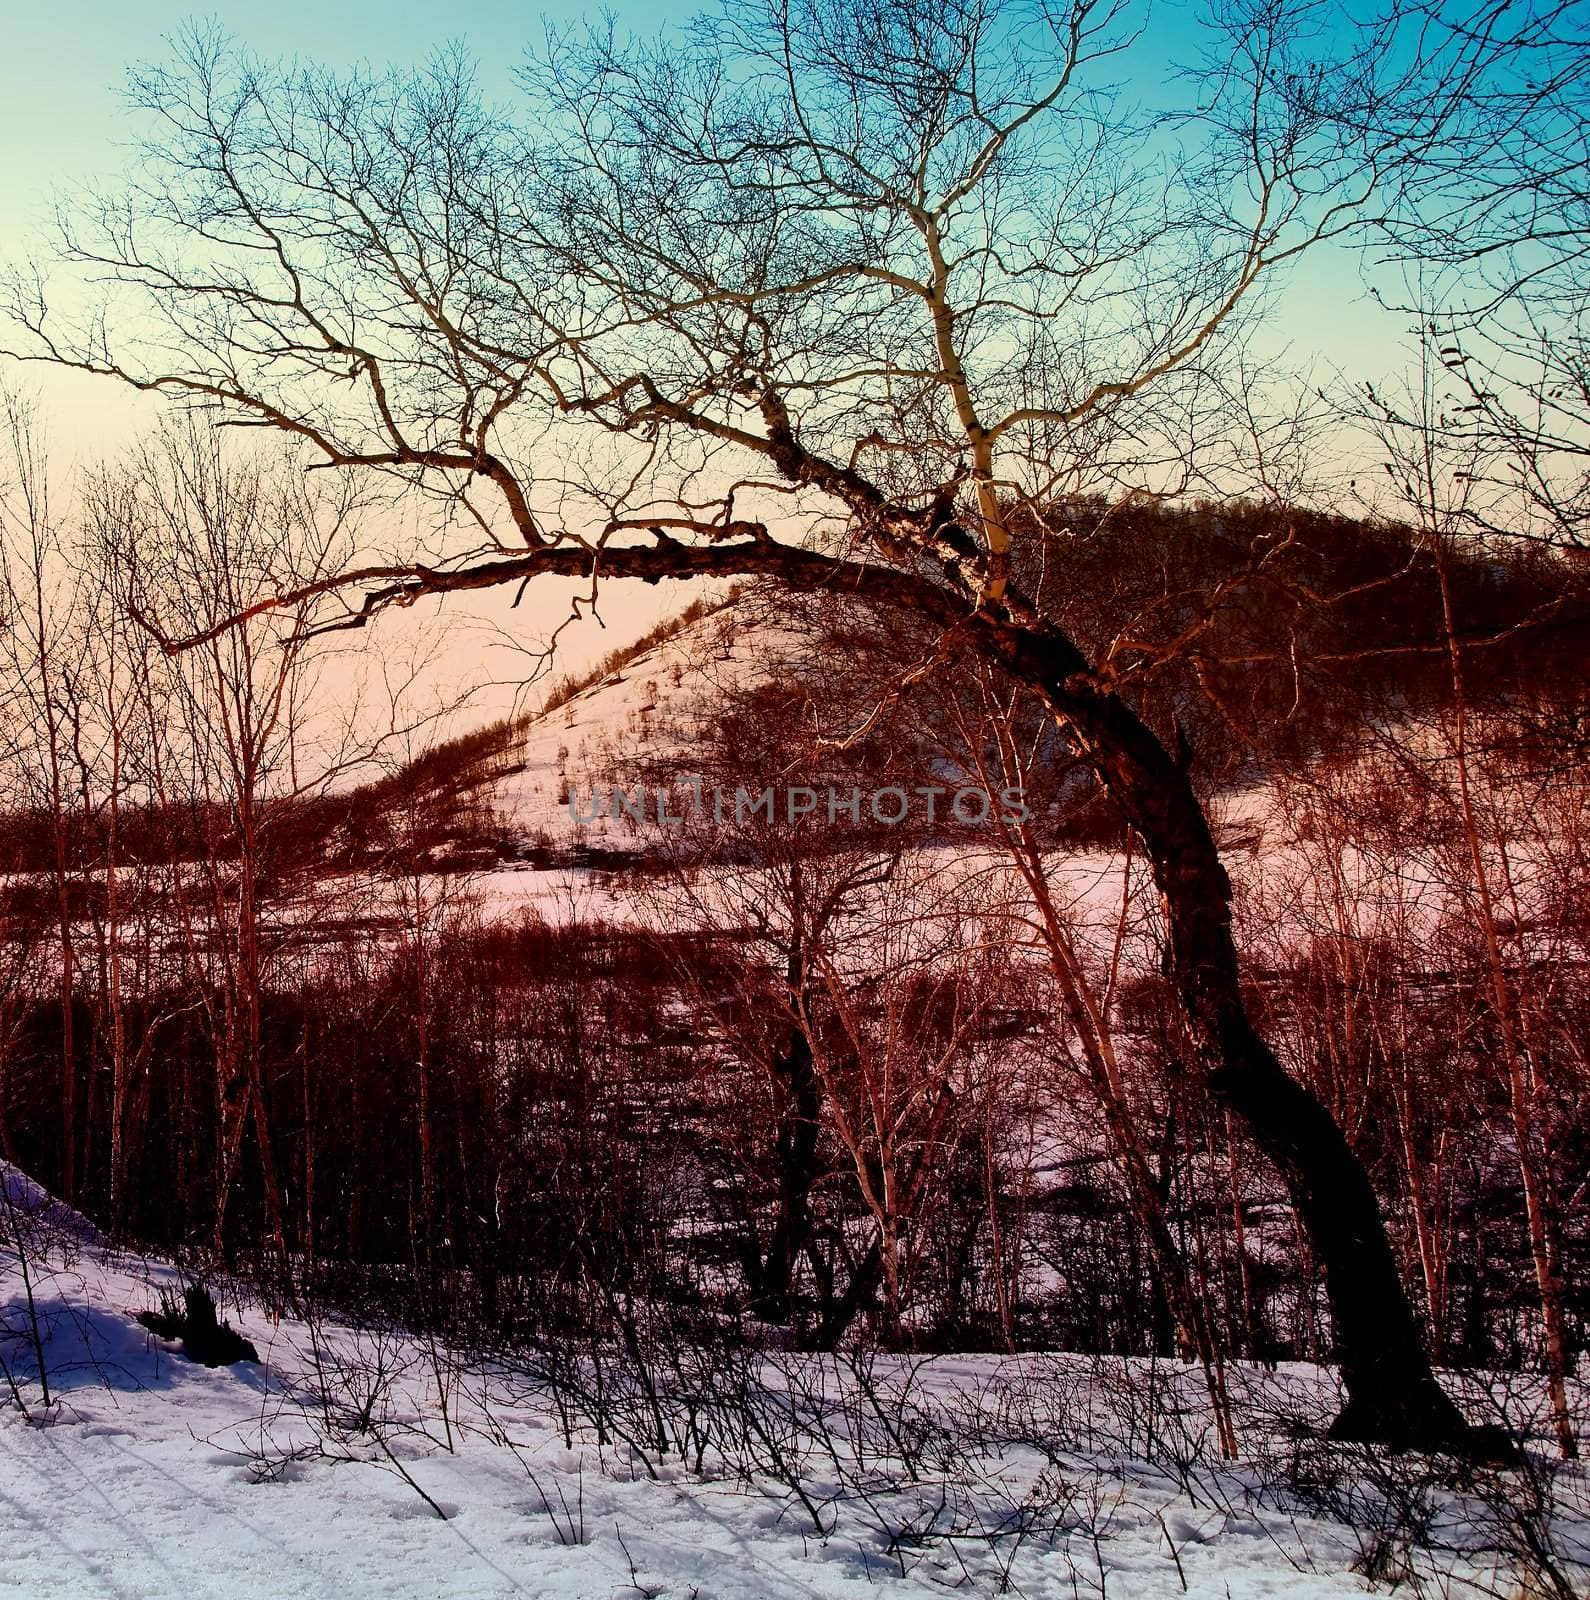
150,1476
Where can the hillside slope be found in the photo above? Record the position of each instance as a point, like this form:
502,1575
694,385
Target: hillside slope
659,705
331,1468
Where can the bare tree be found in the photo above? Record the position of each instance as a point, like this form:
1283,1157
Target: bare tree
1087,992
847,296
198,536
1492,230
43,606
1439,478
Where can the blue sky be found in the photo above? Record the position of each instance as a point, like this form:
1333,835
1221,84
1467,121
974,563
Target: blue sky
63,65
62,121
62,118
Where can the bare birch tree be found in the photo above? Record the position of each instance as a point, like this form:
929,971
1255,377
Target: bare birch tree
192,534
843,295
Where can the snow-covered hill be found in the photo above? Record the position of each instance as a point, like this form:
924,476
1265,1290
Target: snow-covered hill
655,704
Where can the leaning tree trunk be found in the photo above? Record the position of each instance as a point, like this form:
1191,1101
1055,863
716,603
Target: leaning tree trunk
1392,1393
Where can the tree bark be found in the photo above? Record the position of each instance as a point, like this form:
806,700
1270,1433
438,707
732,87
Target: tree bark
1392,1393
797,1162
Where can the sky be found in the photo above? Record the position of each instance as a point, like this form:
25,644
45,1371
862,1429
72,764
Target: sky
62,118
63,122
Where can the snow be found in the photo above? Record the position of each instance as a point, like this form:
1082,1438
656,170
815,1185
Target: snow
151,1476
657,702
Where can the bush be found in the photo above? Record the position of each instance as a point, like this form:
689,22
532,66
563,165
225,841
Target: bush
193,1320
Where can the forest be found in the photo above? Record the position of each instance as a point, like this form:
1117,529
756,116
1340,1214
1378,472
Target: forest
1208,1131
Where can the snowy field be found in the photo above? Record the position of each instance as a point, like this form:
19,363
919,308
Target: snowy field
366,1465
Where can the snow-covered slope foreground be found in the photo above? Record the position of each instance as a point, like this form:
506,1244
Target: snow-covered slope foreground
364,1465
